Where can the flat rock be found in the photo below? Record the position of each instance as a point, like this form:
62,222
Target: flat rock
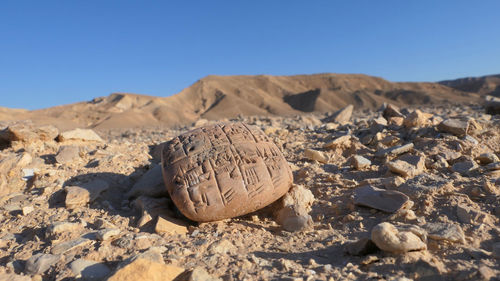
170,226
424,184
389,201
493,166
107,233
359,162
70,245
397,240
316,155
342,116
89,270
146,270
454,126
445,231
80,135
407,165
224,170
76,197
67,154
386,183
40,263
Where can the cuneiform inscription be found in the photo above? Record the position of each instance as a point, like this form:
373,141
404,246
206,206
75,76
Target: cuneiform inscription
224,170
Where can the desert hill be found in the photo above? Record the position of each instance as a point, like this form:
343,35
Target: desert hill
484,85
219,97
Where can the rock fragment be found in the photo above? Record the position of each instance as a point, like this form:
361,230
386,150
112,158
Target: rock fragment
106,233
67,154
445,231
465,168
80,135
359,162
170,226
76,197
198,274
14,277
396,240
386,183
316,155
471,215
395,150
146,270
40,263
293,209
389,201
70,245
454,126
408,165
61,227
89,270
391,111
487,158
416,119
339,142
342,116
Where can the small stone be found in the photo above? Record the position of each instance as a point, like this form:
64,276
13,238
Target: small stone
359,162
408,165
342,116
389,201
40,263
76,197
293,209
316,155
471,215
386,183
487,158
67,154
27,209
454,126
416,119
107,233
391,111
389,238
493,166
222,247
146,270
377,124
465,168
170,226
363,246
394,151
339,142
60,227
445,231
79,134
89,270
198,274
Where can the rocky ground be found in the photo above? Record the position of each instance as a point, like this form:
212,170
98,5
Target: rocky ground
409,194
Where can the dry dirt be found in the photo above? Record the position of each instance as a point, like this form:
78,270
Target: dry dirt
71,208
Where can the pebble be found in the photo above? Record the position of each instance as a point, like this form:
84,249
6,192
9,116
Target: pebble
40,263
293,209
171,226
67,154
145,270
389,201
465,168
487,158
342,116
359,162
107,233
27,209
79,134
89,270
76,197
394,151
454,126
70,245
445,231
340,142
316,155
396,240
407,165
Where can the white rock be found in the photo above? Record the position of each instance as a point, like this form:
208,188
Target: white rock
389,238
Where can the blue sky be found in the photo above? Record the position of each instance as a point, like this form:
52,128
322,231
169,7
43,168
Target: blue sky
59,52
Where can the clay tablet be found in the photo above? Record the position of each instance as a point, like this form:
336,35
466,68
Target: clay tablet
224,170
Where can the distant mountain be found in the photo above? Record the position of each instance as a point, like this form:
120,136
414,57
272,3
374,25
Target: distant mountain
219,97
484,85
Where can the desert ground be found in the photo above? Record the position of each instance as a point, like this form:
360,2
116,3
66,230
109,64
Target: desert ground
380,192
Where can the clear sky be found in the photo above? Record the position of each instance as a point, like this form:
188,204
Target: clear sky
59,52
